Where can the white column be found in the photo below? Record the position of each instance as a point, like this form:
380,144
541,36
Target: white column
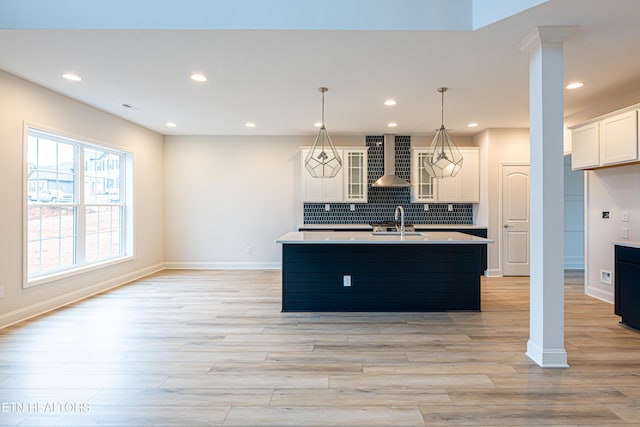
546,112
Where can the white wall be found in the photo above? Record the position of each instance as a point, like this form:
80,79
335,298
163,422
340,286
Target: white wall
614,190
22,101
573,217
497,146
229,197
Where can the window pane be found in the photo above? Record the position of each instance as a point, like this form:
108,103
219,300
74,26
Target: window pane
50,238
102,176
51,170
104,231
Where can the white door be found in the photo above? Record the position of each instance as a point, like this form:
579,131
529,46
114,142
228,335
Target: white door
515,220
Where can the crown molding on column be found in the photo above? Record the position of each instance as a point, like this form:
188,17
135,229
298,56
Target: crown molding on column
547,35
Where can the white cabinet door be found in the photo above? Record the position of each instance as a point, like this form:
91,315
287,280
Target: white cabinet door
619,139
470,179
423,186
585,146
449,188
354,163
465,186
320,189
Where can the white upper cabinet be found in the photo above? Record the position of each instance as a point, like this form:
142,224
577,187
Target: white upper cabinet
611,140
619,139
585,146
462,188
465,186
349,185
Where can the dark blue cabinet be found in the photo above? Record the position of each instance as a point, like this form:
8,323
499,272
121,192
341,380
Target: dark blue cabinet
627,285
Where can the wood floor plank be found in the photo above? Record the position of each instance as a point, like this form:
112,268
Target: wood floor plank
322,417
212,348
361,397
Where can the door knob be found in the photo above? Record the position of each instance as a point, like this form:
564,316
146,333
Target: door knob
507,226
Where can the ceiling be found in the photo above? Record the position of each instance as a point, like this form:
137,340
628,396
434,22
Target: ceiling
270,77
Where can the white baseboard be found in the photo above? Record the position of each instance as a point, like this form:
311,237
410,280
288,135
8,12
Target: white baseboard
573,263
493,272
547,357
25,313
223,265
606,296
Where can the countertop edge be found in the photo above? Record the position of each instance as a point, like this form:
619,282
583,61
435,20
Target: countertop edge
360,237
627,243
368,227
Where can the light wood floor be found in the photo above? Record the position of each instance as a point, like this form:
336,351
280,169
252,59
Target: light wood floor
212,348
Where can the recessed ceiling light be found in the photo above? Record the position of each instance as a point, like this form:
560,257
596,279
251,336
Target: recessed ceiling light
197,77
392,124
72,77
170,124
574,85
472,125
390,102
250,124
317,124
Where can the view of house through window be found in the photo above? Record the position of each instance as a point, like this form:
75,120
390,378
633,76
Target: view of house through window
75,211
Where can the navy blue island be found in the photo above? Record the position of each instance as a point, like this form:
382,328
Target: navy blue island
364,272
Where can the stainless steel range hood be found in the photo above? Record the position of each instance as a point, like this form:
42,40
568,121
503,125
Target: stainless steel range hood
389,179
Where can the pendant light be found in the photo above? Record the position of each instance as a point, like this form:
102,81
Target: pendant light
444,159
323,160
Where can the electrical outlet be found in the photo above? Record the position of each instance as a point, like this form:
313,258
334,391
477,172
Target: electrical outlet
352,207
346,280
605,276
625,216
426,207
327,207
450,208
249,250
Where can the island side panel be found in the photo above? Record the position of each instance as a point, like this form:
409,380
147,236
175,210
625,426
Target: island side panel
387,277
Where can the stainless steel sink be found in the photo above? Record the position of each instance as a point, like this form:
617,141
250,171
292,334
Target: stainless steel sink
397,233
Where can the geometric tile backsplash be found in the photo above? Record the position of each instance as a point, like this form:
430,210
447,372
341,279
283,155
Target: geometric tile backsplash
382,202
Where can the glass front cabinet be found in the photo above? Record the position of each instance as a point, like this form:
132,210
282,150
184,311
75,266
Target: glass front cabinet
423,188
354,163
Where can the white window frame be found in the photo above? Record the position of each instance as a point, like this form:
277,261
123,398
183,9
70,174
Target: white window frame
126,197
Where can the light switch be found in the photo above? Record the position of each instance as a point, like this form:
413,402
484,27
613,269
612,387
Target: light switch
625,233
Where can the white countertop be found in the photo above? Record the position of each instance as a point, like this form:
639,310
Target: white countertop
368,227
366,237
628,243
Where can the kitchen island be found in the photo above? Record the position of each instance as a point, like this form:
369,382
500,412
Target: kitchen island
361,271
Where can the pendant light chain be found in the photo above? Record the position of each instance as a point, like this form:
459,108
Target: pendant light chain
442,91
323,90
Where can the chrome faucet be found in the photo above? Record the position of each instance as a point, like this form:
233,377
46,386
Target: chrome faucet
400,209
